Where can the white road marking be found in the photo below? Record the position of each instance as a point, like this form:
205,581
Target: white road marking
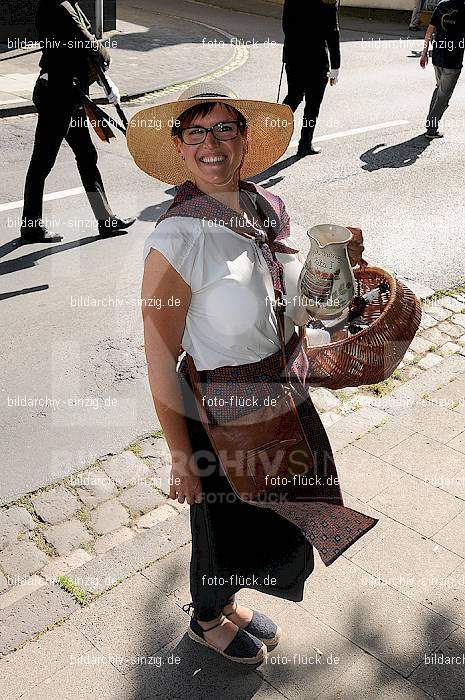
361,130
61,194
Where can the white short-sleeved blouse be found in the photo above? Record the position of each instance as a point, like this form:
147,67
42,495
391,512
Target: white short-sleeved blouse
230,320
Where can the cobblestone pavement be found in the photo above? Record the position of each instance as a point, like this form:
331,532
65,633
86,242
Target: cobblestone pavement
111,530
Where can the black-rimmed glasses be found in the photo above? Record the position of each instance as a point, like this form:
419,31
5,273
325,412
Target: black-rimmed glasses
223,131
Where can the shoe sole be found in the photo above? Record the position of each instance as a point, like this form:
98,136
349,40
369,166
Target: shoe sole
254,660
273,642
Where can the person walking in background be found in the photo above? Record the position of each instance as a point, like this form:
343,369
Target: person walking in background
414,25
446,32
69,54
311,55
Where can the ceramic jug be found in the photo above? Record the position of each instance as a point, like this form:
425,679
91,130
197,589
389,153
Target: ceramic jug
327,283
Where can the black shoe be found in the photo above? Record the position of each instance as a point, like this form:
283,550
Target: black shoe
244,648
260,626
433,134
307,150
414,29
110,226
38,233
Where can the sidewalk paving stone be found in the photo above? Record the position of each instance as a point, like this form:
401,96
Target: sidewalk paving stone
393,628
384,524
408,562
451,396
8,534
356,424
448,349
429,360
378,441
303,664
370,679
67,536
419,345
126,469
112,539
452,535
425,458
39,660
324,399
108,516
452,304
174,576
32,614
451,329
18,516
200,673
62,565
363,475
94,486
158,515
55,505
146,621
427,322
440,313
434,336
22,559
455,485
449,600
13,594
418,505
141,498
444,680
96,680
459,318
436,422
119,562
458,443
157,453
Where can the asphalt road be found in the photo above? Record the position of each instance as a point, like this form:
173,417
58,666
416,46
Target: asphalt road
80,369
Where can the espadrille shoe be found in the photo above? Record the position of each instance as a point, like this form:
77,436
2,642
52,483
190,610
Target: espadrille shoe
244,648
260,626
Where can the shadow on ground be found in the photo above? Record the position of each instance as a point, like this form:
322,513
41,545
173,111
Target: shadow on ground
373,663
401,155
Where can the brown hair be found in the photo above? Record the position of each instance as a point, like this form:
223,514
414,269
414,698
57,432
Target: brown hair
201,110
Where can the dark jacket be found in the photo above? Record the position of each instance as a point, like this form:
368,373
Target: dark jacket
69,49
311,34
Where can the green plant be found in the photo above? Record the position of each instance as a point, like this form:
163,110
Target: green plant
79,595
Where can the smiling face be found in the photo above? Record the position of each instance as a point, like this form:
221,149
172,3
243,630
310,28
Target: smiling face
213,164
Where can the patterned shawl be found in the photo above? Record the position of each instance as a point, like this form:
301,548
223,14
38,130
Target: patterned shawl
192,202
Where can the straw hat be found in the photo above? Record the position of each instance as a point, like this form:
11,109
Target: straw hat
150,143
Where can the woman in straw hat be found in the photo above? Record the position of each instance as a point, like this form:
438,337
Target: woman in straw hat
212,263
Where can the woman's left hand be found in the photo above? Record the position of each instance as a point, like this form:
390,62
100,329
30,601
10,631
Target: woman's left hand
355,247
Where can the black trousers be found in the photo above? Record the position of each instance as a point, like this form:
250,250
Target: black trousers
61,116
309,84
234,544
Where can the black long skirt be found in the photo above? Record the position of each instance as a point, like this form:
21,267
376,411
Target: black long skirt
234,544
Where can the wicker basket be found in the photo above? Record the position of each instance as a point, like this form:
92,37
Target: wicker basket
372,355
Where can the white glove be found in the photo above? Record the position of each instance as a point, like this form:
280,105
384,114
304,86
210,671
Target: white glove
333,75
113,96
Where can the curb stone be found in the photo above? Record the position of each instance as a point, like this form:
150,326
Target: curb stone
48,606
